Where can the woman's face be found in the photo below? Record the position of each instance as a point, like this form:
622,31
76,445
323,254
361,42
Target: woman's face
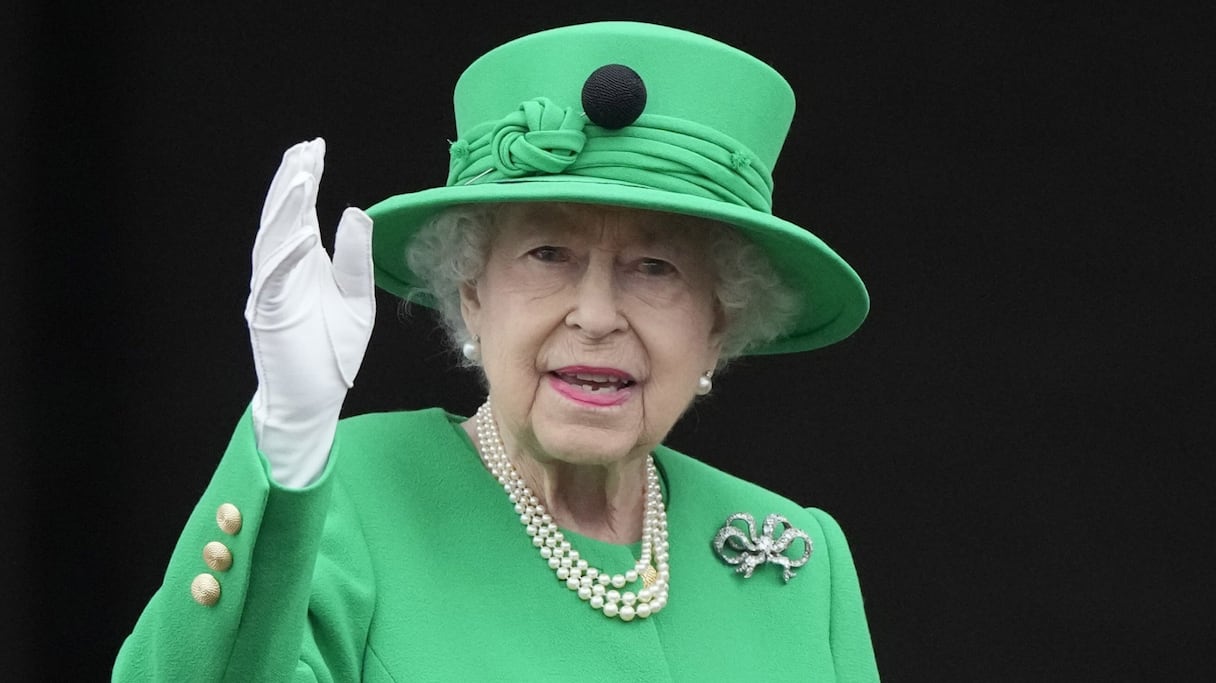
595,325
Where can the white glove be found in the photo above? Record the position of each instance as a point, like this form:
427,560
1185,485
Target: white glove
309,319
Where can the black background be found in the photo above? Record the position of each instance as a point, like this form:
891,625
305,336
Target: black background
1018,440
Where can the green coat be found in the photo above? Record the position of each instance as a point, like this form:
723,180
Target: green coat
405,561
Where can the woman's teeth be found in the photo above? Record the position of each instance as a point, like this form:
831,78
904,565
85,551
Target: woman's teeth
590,382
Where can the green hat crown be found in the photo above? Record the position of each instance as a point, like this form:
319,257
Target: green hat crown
687,76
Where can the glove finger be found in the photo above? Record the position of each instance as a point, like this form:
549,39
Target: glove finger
270,295
353,255
302,158
352,272
286,220
294,214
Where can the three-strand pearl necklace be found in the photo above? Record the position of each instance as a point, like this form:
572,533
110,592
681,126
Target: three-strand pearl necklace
616,595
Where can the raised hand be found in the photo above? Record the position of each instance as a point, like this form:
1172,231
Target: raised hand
309,318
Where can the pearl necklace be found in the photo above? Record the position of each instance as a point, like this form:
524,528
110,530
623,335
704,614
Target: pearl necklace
600,589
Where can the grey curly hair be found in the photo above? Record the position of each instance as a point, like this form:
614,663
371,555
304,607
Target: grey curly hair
452,248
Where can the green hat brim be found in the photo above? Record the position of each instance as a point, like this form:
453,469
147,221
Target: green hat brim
834,300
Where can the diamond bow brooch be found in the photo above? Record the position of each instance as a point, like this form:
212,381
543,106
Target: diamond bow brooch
750,550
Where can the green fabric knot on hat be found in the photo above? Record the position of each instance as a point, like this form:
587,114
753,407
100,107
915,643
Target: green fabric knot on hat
539,137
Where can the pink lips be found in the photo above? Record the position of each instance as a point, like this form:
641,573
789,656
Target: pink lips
608,386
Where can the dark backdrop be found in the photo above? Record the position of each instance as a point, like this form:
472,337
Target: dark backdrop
1017,441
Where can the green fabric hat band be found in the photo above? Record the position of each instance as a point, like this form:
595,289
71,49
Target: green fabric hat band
659,152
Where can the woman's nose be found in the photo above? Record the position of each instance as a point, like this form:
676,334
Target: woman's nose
596,309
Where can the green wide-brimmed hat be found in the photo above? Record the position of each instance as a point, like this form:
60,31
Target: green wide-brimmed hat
635,115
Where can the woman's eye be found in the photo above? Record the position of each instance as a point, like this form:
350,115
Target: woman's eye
548,254
654,266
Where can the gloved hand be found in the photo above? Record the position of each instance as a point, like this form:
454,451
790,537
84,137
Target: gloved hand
309,318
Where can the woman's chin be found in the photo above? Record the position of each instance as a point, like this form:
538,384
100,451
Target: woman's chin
580,432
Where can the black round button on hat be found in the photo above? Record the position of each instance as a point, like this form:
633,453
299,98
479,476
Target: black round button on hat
614,96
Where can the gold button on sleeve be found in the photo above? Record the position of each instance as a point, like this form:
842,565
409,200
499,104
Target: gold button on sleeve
228,517
205,590
217,556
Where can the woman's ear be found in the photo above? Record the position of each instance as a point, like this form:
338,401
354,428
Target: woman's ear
470,307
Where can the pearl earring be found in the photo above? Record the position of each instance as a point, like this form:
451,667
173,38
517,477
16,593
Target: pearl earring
472,350
704,383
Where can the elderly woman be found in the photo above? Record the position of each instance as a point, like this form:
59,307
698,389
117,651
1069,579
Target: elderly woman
603,244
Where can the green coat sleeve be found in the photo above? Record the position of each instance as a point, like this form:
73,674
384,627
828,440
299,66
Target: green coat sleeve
267,622
852,651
